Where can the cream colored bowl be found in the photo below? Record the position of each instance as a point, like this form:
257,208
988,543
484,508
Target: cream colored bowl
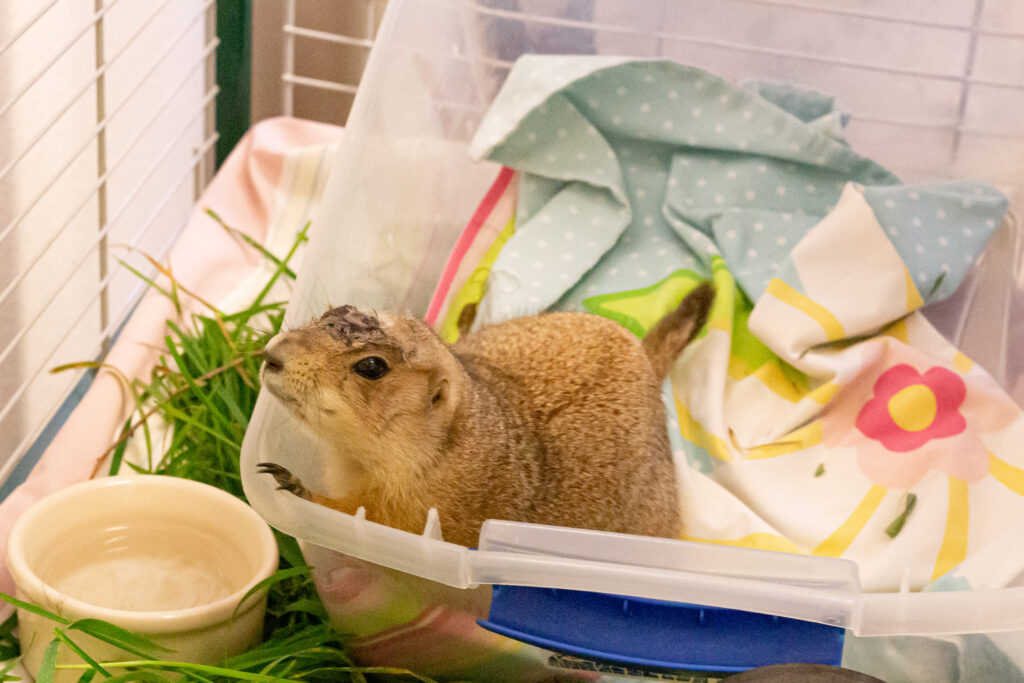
164,557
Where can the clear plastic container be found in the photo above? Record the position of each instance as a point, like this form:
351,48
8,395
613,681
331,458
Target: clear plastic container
931,96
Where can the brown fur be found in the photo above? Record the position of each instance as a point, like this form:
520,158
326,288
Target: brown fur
552,419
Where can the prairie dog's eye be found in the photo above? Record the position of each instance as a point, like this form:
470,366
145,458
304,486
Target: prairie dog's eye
372,367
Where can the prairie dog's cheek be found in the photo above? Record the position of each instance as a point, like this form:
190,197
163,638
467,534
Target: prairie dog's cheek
332,402
345,415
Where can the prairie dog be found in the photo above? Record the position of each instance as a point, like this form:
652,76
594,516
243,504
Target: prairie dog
552,419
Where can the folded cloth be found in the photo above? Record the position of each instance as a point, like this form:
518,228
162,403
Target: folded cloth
819,398
628,157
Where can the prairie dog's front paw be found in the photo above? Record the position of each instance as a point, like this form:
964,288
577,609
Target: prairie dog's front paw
286,481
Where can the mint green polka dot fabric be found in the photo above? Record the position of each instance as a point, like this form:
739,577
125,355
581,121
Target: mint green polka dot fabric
635,169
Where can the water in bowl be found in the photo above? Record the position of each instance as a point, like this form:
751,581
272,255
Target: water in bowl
145,567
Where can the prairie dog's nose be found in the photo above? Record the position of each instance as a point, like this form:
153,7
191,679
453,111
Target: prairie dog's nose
274,354
272,362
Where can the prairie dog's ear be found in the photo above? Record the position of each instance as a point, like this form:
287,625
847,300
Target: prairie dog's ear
440,391
444,393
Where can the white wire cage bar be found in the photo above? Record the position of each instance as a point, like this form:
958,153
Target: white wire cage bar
107,113
325,55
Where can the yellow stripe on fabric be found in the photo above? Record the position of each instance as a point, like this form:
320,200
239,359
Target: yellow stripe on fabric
760,540
738,368
1006,474
898,330
797,440
771,376
694,432
954,543
962,363
914,300
821,315
824,393
836,544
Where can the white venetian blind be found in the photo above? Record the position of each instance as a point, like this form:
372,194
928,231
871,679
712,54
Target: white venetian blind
106,136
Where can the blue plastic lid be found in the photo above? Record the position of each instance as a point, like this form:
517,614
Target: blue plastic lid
657,634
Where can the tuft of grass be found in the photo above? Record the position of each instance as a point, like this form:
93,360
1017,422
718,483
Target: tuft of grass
896,527
205,386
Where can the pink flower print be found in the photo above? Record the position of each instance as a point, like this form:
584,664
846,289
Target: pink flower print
905,416
910,409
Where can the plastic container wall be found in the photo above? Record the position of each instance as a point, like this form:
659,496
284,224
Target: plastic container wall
928,99
931,95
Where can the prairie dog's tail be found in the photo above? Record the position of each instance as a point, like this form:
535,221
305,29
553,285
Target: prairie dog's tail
670,336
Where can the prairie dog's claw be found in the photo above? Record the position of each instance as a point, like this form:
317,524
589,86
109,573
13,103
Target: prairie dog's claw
286,481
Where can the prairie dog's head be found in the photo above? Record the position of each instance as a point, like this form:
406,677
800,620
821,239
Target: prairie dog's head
373,386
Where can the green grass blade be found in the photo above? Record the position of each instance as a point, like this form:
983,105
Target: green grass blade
267,254
9,646
86,364
122,445
291,647
896,526
289,549
191,355
48,667
149,281
243,317
283,662
138,469
375,670
144,674
64,638
34,609
196,390
193,676
276,577
118,637
11,623
215,380
10,664
196,424
139,677
283,267
308,606
938,283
